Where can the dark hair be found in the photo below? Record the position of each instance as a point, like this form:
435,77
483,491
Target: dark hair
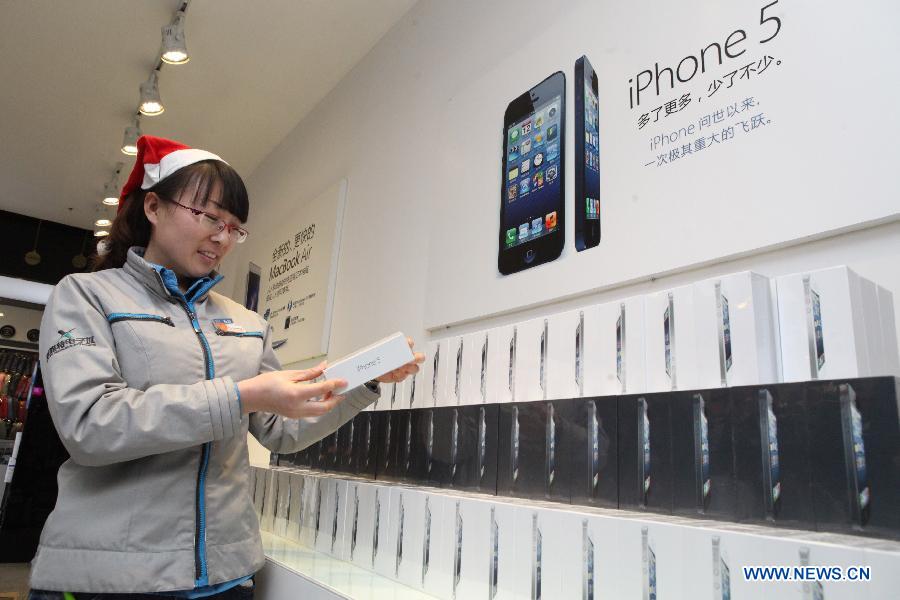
131,227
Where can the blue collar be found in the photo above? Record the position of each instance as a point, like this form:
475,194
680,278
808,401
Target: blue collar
167,277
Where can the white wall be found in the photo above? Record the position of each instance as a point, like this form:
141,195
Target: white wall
382,128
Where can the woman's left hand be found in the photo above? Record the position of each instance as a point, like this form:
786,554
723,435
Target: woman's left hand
410,368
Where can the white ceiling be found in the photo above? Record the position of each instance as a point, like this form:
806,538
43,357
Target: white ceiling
70,71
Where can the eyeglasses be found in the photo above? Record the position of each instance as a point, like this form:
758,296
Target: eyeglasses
216,225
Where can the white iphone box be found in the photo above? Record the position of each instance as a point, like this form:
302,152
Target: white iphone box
325,511
530,353
736,336
454,380
398,393
889,327
670,336
473,383
382,554
878,364
267,522
537,569
338,528
433,570
282,504
614,345
413,390
311,506
822,327
652,559
406,535
565,355
371,362
259,494
589,559
295,511
434,374
471,556
501,361
366,526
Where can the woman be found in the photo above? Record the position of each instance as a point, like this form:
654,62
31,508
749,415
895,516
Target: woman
153,381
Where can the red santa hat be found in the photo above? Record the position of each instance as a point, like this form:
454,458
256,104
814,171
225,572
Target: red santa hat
157,158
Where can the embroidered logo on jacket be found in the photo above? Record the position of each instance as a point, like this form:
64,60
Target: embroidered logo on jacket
67,340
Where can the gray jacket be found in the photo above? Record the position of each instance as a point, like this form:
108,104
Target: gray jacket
141,386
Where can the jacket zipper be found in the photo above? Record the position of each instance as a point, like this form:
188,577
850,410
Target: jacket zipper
200,521
116,317
200,567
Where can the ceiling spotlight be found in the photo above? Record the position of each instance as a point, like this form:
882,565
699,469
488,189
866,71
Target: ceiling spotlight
174,48
111,189
111,194
151,104
129,142
101,233
102,223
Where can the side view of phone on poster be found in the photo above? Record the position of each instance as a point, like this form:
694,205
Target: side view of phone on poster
532,190
587,156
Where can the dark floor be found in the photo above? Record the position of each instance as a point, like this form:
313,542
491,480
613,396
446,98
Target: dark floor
14,580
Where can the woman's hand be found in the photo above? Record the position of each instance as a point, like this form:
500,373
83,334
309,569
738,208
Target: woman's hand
410,368
289,393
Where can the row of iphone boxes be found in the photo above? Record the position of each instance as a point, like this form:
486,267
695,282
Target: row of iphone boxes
467,546
821,455
829,324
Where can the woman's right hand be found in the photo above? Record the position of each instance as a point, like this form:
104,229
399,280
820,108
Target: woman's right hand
289,393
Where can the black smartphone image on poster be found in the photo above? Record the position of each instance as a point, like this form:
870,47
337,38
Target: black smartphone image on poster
771,465
367,445
643,451
551,449
701,452
587,156
532,189
454,443
407,446
251,301
514,447
429,442
594,446
482,443
855,452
